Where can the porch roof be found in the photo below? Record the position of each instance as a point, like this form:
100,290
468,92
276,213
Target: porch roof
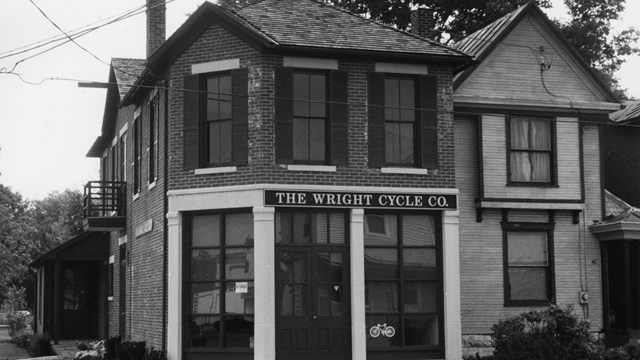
86,246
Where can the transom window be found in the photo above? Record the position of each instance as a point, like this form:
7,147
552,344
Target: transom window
530,150
220,303
528,266
218,119
403,288
400,120
309,116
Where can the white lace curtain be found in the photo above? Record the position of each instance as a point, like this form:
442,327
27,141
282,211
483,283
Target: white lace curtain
530,150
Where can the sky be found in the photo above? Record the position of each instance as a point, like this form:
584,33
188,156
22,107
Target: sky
48,126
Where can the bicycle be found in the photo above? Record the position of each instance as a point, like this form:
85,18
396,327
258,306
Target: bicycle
384,329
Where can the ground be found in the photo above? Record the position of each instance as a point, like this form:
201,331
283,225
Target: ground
9,350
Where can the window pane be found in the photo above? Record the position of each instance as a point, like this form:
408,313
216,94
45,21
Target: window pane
225,97
214,142
328,267
204,331
225,141
300,139
301,228
406,143
381,230
380,263
420,297
205,230
383,331
391,99
239,297
205,298
213,97
392,142
421,330
300,86
418,230
318,95
337,228
329,302
205,265
283,227
316,139
419,264
540,135
520,166
239,229
381,297
540,167
407,100
528,283
238,331
293,267
238,263
527,248
293,300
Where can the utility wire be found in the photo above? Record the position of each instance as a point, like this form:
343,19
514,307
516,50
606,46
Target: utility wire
215,95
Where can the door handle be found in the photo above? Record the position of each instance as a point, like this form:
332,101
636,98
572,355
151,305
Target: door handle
315,317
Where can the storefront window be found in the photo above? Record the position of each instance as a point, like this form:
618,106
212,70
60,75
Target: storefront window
220,295
403,287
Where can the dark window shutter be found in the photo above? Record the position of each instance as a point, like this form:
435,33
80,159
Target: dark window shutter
191,124
429,121
375,108
284,115
339,118
239,116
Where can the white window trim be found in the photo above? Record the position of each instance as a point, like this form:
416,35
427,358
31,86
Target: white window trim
320,168
216,170
124,129
122,240
213,66
310,63
401,170
151,185
416,69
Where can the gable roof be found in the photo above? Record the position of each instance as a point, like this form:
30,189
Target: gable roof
123,74
306,27
481,43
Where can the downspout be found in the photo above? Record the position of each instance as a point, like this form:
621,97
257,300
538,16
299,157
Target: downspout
165,239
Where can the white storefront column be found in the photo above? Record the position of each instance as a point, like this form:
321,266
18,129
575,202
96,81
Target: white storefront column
451,260
358,321
265,286
174,283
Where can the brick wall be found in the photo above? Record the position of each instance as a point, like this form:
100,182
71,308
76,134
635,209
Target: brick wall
217,44
622,157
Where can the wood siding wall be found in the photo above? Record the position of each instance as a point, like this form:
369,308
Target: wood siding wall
481,243
512,71
494,152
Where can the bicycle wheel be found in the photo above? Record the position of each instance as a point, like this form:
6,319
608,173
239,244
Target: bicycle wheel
374,331
389,331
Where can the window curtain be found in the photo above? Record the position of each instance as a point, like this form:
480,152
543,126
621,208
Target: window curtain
530,150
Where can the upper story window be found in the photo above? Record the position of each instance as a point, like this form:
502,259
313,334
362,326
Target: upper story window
216,119
403,124
122,157
152,150
530,149
528,264
137,151
311,116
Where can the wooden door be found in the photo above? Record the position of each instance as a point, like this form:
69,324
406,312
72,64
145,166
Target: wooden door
80,300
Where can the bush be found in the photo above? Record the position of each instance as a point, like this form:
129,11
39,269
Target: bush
131,350
153,354
550,334
40,345
16,317
110,346
17,322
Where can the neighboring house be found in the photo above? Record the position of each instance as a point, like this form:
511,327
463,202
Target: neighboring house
529,119
290,189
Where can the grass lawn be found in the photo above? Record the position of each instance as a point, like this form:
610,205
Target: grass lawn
9,350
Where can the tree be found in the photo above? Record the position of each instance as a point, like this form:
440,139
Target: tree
57,218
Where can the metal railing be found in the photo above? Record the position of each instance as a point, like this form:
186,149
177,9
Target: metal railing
104,199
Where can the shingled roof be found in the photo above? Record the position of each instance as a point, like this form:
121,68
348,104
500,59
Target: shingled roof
126,73
631,113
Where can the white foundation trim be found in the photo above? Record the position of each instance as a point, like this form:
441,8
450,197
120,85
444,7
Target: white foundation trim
530,205
451,267
400,170
358,320
213,66
265,284
417,69
216,170
174,282
310,63
322,168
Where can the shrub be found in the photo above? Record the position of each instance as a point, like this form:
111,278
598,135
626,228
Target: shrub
153,354
40,345
550,334
17,322
13,305
110,346
131,350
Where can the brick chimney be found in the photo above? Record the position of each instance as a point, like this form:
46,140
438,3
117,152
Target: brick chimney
423,23
156,25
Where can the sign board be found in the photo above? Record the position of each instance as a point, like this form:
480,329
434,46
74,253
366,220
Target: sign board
370,200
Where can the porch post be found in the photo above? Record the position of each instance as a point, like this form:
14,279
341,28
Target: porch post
56,302
358,320
265,288
626,254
